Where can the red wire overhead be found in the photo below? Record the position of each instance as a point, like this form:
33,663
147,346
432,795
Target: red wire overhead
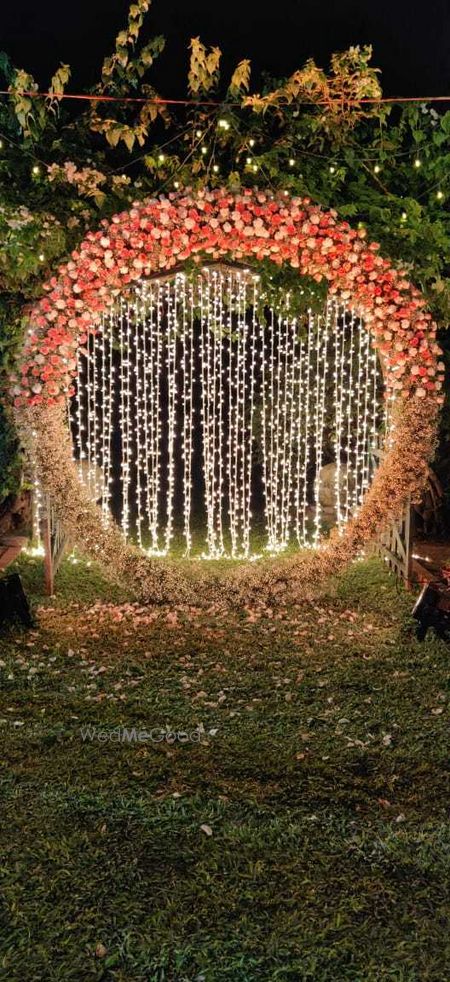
200,102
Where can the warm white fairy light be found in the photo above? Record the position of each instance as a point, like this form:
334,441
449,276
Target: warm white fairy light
125,355
213,431
230,405
359,446
111,397
89,414
241,441
365,422
283,397
80,404
348,419
214,342
308,416
187,336
152,309
273,436
315,379
160,342
291,359
300,436
37,513
104,413
253,359
97,413
233,400
284,402
148,341
219,328
235,489
138,434
274,424
264,354
375,410
338,373
248,395
319,418
207,409
172,371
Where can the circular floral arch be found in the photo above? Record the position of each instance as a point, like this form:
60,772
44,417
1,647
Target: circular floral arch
159,234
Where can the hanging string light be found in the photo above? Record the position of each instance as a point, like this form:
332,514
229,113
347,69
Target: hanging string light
308,430
138,417
348,413
107,379
172,371
338,374
187,337
314,381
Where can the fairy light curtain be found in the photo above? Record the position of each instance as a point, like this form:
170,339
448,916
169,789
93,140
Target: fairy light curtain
193,408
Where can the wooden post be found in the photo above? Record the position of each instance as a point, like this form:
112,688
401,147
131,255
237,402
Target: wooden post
48,556
409,536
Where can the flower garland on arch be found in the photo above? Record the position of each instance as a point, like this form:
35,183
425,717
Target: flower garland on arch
159,234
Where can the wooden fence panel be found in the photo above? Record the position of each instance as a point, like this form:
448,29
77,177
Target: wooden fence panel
394,545
55,545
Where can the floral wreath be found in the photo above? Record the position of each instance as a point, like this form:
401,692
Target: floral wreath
159,234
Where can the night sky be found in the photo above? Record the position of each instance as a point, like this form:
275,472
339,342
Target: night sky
411,38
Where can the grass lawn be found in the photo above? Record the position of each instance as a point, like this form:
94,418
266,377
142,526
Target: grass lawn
284,816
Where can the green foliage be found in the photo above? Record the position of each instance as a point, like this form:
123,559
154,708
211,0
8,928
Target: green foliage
63,168
59,81
240,79
203,68
351,78
10,457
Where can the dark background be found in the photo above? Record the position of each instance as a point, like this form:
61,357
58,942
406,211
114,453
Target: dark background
411,40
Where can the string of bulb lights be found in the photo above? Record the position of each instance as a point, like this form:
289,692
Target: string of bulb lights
251,163
193,407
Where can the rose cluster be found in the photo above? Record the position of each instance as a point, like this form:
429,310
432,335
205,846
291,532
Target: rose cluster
159,234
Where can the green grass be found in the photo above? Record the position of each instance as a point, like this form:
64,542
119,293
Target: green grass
319,766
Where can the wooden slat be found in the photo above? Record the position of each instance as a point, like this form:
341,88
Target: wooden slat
394,544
